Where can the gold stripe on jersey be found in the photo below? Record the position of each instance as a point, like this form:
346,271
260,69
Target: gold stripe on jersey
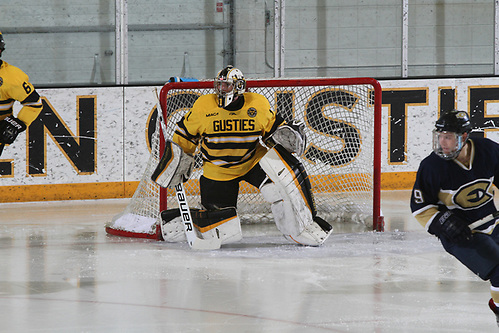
424,216
229,140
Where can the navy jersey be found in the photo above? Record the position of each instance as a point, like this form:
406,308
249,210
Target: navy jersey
467,190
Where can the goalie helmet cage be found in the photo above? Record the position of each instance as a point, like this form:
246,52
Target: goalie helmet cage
342,119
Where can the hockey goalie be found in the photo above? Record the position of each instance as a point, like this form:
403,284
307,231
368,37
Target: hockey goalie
227,126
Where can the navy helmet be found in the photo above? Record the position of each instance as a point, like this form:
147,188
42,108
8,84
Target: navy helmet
455,126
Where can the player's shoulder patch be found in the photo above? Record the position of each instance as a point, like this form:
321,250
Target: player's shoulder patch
252,112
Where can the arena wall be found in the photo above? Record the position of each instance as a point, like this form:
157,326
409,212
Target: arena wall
91,143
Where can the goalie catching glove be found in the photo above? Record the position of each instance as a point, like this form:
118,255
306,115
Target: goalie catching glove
291,137
175,166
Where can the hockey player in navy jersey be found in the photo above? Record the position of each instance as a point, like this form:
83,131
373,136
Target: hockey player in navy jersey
453,197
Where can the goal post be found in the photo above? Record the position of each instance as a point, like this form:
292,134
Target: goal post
342,118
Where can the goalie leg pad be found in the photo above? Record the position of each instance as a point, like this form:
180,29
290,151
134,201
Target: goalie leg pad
314,234
292,202
282,210
223,223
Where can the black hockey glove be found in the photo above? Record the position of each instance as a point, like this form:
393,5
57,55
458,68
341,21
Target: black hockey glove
10,128
450,226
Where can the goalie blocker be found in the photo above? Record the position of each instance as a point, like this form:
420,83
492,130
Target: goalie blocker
290,194
175,166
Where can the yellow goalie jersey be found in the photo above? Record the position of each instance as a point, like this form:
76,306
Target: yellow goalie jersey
229,140
15,86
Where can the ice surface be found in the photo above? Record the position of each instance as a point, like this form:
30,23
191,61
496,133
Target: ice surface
61,272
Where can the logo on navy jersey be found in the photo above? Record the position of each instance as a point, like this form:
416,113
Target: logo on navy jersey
474,195
252,112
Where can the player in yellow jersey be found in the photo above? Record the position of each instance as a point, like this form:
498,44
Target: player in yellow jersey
228,127
15,86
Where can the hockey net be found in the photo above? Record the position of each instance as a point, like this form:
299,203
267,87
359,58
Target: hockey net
343,127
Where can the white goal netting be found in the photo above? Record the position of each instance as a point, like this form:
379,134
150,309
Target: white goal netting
341,158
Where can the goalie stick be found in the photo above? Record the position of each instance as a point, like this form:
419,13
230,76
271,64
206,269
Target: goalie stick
194,241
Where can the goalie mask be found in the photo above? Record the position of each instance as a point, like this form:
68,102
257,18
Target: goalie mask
2,44
451,134
229,84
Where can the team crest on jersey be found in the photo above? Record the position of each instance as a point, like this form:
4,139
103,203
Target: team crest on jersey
474,195
252,112
1,81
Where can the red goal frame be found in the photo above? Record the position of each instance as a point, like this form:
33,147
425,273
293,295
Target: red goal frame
378,220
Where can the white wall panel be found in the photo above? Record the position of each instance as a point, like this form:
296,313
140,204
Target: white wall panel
59,168
139,105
